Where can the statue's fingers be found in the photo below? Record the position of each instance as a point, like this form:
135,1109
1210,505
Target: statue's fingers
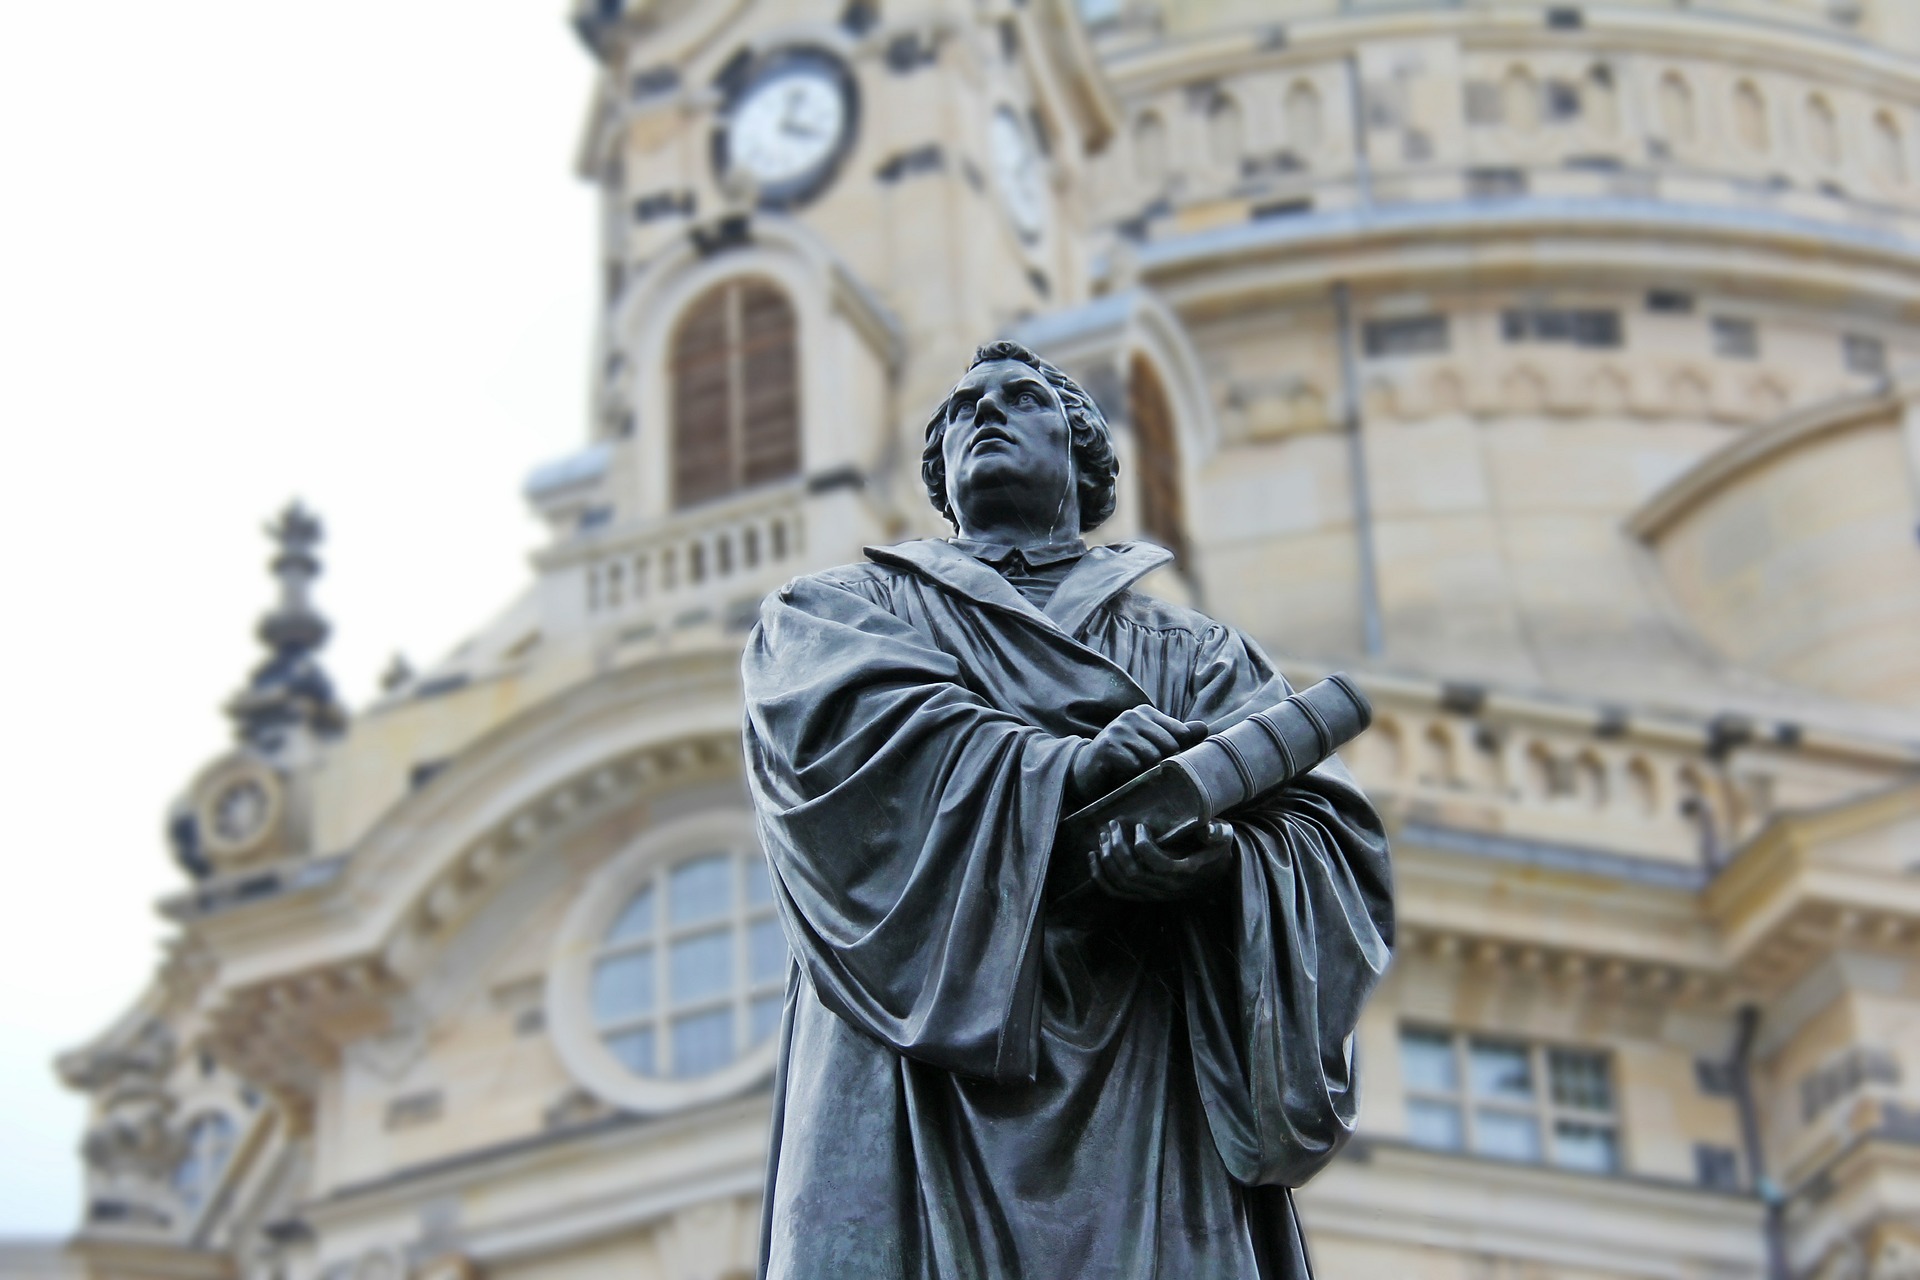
1148,853
1124,861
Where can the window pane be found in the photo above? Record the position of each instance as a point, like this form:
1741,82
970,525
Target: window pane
702,1042
1506,1135
763,1017
1501,1070
1433,1124
636,921
623,987
701,967
700,890
759,887
635,1049
1427,1062
1579,1079
766,952
1589,1147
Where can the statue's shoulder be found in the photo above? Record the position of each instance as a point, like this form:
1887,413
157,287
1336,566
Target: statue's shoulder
1142,610
863,578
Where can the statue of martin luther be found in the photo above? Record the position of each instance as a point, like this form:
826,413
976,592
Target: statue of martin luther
978,1078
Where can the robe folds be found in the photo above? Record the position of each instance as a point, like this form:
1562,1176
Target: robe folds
973,1082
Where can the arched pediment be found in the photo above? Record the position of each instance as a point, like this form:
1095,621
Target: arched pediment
341,956
1790,549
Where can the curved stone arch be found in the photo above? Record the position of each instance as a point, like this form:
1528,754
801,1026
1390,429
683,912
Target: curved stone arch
829,303
439,853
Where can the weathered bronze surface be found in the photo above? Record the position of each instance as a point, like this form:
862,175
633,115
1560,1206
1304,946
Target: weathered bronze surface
979,1078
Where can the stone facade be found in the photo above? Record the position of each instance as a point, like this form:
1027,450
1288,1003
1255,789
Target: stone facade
1541,365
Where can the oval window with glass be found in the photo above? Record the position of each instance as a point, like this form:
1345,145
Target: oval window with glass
692,973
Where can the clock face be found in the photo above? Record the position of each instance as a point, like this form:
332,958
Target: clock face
789,125
240,811
1020,173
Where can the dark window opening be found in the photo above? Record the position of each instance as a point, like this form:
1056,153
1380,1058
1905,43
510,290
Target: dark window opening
1670,302
1736,339
735,392
1864,354
1162,513
1587,327
1406,336
1716,1168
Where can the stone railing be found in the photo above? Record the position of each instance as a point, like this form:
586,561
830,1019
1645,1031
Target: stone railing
1641,790
735,552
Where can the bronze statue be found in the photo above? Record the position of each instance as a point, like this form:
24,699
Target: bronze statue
1005,1054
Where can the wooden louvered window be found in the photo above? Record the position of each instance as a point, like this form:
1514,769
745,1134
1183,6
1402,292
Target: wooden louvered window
735,393
1162,516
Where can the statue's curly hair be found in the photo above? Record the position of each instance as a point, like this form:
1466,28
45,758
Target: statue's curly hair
1095,465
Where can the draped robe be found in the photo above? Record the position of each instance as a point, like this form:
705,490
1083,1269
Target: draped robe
974,1082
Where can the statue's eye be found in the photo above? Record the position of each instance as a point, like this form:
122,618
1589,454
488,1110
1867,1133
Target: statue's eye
1027,400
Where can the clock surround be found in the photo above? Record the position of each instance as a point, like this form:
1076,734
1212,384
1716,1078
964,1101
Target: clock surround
793,114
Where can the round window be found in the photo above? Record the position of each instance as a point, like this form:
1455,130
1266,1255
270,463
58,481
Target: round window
693,971
671,969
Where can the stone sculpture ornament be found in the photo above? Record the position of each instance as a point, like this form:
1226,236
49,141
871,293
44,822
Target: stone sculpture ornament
1005,1052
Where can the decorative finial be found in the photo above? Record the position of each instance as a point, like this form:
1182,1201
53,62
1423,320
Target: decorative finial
290,688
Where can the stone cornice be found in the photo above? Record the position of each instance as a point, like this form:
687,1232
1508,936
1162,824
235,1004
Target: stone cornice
1413,244
1799,48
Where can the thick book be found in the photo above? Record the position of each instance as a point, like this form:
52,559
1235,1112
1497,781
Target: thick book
1178,797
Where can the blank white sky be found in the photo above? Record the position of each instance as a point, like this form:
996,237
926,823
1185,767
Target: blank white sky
247,252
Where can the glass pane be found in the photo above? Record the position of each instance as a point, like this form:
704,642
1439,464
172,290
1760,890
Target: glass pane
1500,1070
636,921
763,1017
701,967
1579,1079
623,987
1589,1147
1427,1062
1433,1124
1506,1135
700,890
766,952
759,886
635,1049
703,1042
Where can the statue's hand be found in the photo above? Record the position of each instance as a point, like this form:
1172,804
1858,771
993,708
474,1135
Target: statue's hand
1136,868
1134,742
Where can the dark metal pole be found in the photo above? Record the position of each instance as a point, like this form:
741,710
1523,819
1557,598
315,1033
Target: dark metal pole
1747,1029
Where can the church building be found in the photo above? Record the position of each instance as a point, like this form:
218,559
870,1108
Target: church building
1549,367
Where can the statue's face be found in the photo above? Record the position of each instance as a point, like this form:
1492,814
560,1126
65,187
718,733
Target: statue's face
1009,449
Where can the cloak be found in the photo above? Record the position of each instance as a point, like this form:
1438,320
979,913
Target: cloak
973,1083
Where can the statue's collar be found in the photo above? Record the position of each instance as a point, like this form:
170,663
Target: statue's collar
1036,556
1101,574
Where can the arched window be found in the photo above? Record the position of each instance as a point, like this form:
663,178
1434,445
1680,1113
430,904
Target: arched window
735,392
1224,133
692,972
1750,116
1150,148
1302,113
1676,108
204,1157
1823,131
1161,515
1891,147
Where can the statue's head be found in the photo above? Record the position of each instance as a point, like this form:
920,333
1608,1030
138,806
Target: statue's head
1017,431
